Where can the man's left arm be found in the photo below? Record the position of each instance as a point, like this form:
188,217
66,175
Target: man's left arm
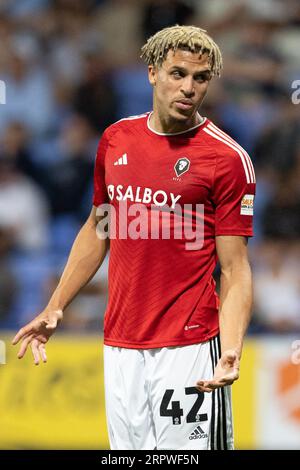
234,311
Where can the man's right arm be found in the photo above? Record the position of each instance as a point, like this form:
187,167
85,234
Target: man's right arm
86,256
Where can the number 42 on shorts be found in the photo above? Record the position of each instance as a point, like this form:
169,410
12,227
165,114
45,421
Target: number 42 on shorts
176,412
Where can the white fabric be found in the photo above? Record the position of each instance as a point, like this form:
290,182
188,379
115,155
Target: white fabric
136,380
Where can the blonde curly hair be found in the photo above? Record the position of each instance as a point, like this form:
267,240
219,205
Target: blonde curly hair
191,38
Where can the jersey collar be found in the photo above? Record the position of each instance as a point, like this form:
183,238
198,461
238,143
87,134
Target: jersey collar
203,120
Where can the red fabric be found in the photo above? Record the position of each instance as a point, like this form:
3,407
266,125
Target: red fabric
160,293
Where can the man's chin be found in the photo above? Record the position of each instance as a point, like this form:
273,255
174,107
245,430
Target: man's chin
181,115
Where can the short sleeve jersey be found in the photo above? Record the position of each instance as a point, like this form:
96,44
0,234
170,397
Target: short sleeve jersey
170,196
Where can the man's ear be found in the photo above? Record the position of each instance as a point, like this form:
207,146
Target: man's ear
152,74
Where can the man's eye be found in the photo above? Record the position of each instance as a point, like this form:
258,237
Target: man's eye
202,78
176,74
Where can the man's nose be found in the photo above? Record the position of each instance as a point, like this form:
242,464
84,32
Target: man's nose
188,86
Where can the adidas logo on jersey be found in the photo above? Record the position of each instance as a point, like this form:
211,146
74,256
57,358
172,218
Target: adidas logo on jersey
198,433
122,160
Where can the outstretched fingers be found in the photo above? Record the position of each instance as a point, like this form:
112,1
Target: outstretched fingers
38,351
35,352
209,385
23,332
24,345
42,351
202,387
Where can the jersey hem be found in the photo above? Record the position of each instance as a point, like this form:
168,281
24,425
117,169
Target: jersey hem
160,344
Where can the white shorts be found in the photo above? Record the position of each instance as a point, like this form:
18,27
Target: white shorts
152,402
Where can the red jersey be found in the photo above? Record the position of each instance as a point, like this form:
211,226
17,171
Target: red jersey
161,293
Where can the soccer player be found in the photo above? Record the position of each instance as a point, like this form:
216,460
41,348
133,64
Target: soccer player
171,346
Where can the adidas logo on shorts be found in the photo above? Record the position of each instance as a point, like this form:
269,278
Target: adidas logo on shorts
198,433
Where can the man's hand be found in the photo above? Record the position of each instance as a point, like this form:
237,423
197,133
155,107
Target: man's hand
37,333
226,372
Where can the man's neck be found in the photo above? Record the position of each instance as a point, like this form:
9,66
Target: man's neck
159,123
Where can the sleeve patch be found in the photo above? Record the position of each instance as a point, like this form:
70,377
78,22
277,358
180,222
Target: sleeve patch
247,204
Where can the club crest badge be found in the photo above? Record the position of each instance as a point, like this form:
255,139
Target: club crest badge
182,166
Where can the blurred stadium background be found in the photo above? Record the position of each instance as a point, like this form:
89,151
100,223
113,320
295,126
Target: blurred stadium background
71,67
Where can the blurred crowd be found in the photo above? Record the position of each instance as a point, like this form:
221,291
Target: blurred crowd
71,68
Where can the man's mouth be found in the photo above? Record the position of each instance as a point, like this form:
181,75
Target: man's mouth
184,104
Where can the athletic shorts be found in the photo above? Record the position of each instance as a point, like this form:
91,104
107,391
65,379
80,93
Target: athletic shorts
152,401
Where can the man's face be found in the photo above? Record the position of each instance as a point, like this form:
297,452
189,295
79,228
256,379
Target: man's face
180,84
